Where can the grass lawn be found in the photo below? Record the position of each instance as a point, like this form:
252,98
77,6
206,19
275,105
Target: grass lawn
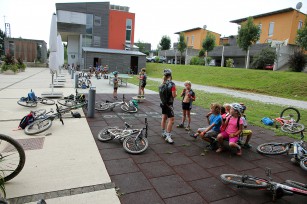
283,84
255,110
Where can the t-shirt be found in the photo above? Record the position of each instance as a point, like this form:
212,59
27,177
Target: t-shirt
217,120
232,125
143,78
115,82
244,121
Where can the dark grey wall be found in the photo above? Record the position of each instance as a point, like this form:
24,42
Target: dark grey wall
235,51
100,9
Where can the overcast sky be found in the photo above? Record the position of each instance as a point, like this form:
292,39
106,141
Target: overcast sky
31,18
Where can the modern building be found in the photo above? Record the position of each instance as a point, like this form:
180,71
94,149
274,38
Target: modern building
26,49
98,33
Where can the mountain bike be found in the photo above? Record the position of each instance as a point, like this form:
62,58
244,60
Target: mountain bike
288,120
296,148
130,107
134,140
44,122
278,190
32,102
73,100
12,157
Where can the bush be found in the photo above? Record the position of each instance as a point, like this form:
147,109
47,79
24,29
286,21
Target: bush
266,56
9,64
297,61
20,64
201,53
157,59
197,61
208,60
229,63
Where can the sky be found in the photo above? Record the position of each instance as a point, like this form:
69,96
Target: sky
31,18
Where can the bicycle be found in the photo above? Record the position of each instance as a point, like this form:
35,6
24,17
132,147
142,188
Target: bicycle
134,140
295,148
32,101
44,122
130,107
278,190
12,157
73,100
288,120
84,80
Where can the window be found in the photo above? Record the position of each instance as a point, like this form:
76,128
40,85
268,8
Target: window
97,21
192,40
12,48
187,39
271,28
89,24
260,27
300,24
128,30
86,41
96,41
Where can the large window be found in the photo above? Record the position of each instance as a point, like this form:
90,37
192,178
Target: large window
86,41
271,28
187,40
128,30
89,24
260,27
192,40
300,24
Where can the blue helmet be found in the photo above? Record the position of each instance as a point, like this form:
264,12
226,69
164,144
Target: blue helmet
115,73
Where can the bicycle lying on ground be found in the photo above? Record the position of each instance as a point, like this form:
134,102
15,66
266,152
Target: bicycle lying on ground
296,148
12,157
32,100
278,190
288,120
73,100
130,107
134,140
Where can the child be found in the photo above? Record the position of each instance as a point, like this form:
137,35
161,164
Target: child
188,96
142,77
247,133
115,84
234,126
214,119
225,114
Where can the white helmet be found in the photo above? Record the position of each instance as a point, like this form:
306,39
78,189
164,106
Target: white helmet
237,107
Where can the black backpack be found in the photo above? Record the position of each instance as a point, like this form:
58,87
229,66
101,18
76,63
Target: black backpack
25,121
165,92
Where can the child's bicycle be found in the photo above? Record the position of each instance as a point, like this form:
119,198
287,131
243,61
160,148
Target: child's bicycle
134,140
288,120
31,100
130,107
278,190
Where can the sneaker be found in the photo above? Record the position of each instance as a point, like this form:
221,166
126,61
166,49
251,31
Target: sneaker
163,134
293,160
188,128
180,126
239,152
247,146
194,135
169,139
219,150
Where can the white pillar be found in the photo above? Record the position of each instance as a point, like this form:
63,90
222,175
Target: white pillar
222,62
247,59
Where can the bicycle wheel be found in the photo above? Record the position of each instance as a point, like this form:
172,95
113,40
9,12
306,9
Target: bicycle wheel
273,148
12,157
104,134
67,102
47,101
39,112
27,103
129,109
38,126
293,128
289,113
135,145
297,185
303,163
244,181
102,106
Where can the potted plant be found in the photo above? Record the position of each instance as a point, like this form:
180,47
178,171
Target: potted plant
9,65
21,66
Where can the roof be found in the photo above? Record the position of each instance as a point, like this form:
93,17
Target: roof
24,39
112,51
197,28
266,14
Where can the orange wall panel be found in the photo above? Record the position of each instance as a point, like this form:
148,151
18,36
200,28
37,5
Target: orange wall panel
199,36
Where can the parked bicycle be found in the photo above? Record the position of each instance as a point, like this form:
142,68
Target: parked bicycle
12,157
84,81
73,100
297,149
278,190
134,140
31,100
130,107
288,120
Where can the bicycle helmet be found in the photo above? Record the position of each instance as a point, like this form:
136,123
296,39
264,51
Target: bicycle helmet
167,72
237,107
115,73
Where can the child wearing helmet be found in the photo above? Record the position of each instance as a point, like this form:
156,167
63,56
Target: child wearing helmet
245,133
234,127
142,77
115,84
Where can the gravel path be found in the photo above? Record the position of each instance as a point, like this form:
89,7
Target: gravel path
247,95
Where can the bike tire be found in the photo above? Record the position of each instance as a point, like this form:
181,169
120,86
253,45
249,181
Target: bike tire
273,148
303,163
47,101
21,153
30,131
131,109
104,135
293,128
235,179
290,110
67,102
102,106
30,104
296,184
135,146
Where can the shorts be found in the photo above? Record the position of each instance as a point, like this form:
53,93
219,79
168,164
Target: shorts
143,85
246,132
231,139
186,106
210,134
167,110
115,88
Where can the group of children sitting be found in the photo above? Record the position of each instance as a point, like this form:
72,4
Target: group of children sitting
227,122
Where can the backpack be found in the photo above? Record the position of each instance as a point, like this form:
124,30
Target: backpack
26,120
165,92
31,96
267,121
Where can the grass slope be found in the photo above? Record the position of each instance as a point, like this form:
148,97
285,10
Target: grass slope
282,84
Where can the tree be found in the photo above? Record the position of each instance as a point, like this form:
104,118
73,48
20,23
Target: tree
208,45
301,38
2,36
141,46
266,56
297,61
182,45
248,34
165,42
